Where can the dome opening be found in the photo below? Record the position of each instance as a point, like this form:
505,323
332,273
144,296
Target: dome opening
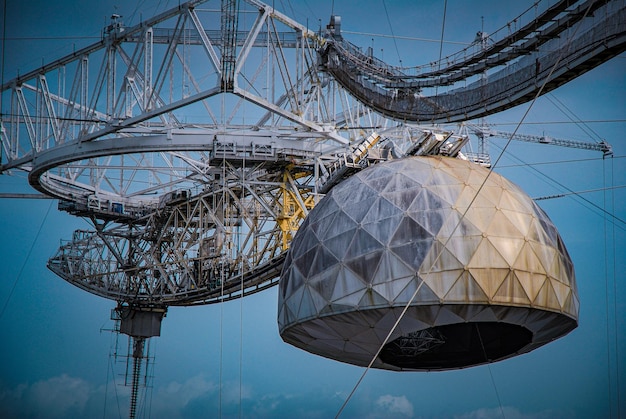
456,345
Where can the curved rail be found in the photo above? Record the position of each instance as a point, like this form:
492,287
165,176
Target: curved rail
576,50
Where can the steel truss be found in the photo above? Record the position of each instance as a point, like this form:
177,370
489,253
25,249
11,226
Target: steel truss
195,249
205,137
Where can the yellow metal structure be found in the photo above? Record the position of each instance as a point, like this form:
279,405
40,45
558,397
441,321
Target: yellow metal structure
294,207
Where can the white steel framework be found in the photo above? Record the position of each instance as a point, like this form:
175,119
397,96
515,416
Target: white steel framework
196,143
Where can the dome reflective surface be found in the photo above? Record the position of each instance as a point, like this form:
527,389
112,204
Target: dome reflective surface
483,267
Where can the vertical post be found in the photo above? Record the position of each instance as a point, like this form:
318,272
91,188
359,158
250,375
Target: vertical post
110,80
229,44
147,63
84,89
138,345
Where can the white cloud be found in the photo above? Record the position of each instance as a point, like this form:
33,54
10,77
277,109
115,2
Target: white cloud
171,399
395,404
233,392
56,397
193,388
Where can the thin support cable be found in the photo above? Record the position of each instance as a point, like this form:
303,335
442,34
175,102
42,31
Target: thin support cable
395,43
443,28
439,253
241,281
572,116
609,393
550,163
150,377
19,275
493,381
579,192
602,210
617,357
222,276
106,383
117,396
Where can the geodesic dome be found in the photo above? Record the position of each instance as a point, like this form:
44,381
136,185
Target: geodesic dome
483,269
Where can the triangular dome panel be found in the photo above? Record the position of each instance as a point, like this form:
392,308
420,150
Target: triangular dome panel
399,182
531,282
511,291
379,181
467,198
508,248
448,316
501,226
390,268
457,171
404,295
323,260
474,292
413,253
381,208
439,196
424,295
337,246
547,297
372,299
547,254
485,315
408,231
440,258
351,300
431,220
442,281
319,301
487,256
362,244
489,279
365,266
357,210
429,200
477,178
561,290
346,283
520,220
307,305
463,247
382,229
340,224
528,261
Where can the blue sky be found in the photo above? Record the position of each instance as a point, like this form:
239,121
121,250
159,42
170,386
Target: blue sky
55,351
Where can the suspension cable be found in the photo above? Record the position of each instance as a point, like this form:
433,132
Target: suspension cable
443,28
615,324
30,251
440,252
606,305
395,43
493,381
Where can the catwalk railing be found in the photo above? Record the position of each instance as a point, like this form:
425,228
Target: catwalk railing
508,78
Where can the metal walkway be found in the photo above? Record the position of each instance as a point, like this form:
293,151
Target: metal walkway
555,47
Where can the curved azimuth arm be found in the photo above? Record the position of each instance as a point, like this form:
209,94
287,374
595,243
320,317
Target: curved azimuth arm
537,58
